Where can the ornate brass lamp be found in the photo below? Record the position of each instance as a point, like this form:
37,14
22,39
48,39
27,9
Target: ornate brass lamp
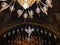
27,4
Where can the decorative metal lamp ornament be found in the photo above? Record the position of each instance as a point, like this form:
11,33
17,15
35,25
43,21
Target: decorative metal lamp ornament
11,8
19,12
3,5
31,13
25,15
38,11
26,4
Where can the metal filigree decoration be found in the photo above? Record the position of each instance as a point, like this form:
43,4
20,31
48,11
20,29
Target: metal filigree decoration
29,35
41,5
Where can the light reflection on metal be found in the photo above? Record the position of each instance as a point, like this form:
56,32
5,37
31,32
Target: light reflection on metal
26,3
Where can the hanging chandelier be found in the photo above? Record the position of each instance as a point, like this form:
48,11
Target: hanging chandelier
41,5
